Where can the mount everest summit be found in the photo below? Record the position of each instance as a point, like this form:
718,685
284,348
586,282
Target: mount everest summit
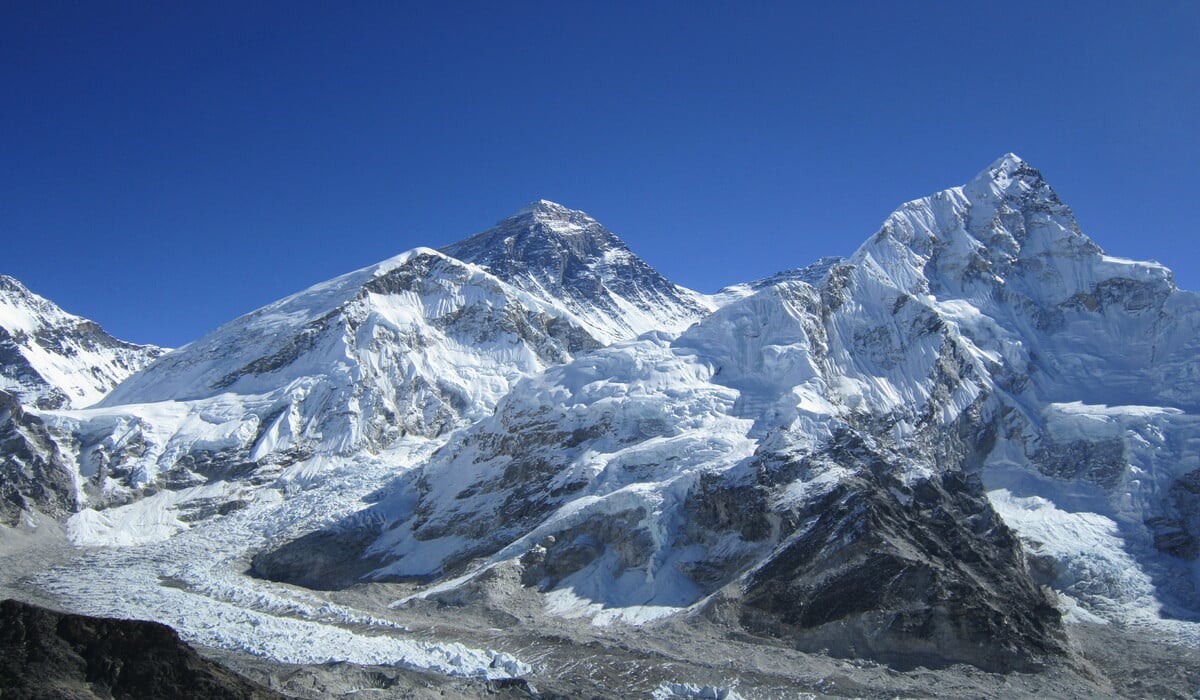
957,444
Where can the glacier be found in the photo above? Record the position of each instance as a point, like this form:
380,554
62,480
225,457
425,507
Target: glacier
951,446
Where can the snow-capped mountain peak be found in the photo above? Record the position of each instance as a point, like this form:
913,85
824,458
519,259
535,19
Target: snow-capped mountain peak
1005,226
541,232
888,455
1007,168
545,210
566,257
51,359
1012,180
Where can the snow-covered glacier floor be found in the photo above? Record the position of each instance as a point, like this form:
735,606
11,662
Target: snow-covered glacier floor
193,577
141,561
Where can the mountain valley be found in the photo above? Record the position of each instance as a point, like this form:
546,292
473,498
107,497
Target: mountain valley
963,460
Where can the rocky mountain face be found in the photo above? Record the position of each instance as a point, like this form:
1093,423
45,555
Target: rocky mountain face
49,359
52,359
48,654
567,258
976,429
34,475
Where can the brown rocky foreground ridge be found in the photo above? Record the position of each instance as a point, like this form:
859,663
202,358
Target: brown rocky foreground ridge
49,654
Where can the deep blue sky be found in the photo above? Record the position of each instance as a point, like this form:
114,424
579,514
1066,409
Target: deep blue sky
166,166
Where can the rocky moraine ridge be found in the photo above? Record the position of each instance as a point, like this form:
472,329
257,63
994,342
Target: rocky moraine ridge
926,454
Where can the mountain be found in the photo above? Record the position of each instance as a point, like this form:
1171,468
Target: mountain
961,444
566,257
415,346
49,359
35,475
847,457
52,359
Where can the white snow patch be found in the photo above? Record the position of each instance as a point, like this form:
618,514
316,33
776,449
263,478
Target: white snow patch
669,690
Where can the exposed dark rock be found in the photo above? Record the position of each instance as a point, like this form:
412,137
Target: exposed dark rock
1177,531
48,654
1101,462
299,344
715,504
549,249
531,483
923,575
16,368
574,548
1127,295
32,472
204,508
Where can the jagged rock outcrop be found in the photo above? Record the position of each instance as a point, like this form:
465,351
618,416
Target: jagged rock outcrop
920,575
48,654
33,473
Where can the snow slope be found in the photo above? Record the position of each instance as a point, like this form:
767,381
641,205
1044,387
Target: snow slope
417,345
52,359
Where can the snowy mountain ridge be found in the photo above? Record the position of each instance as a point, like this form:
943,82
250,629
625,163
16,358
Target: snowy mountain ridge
969,339
973,430
53,359
417,345
566,257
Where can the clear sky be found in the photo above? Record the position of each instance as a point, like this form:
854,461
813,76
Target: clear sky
166,166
